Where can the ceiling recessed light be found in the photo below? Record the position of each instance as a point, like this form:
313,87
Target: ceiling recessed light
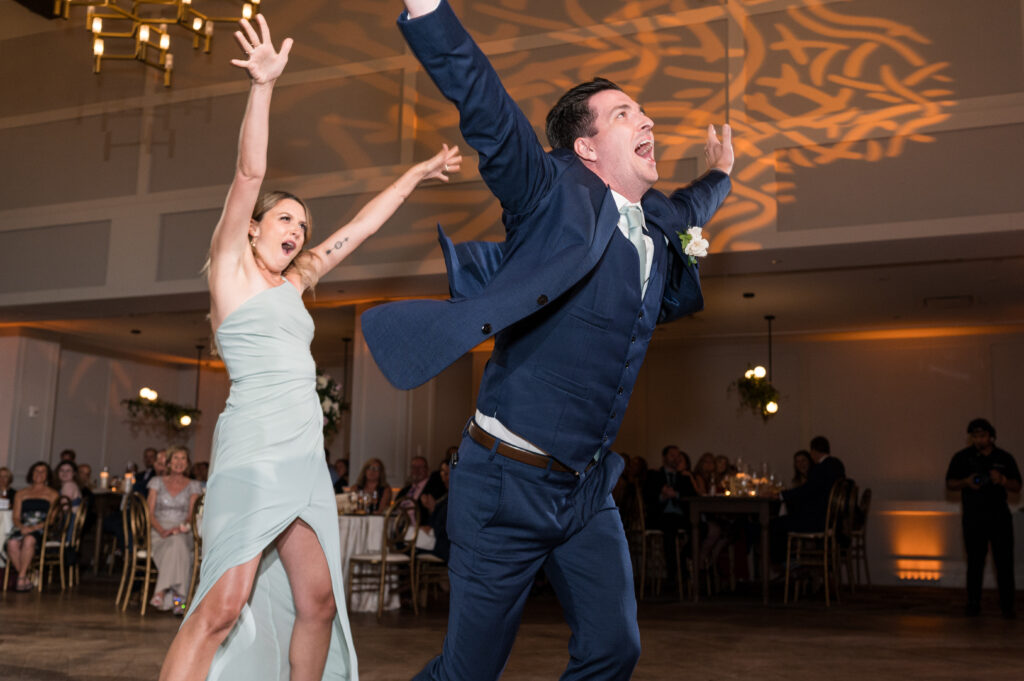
136,332
748,294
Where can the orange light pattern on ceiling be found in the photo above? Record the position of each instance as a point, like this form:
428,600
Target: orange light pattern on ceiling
824,85
807,86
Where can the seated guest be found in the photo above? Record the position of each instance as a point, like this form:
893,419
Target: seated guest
704,474
6,490
807,505
637,470
200,472
70,492
68,455
802,464
663,495
435,485
419,471
31,506
373,483
724,470
85,480
340,475
148,471
171,498
67,482
418,485
437,508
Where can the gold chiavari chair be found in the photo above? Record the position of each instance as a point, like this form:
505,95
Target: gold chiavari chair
54,544
138,563
395,562
197,547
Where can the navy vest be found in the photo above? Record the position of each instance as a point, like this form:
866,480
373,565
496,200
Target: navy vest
561,378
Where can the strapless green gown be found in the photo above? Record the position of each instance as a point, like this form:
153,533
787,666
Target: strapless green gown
268,469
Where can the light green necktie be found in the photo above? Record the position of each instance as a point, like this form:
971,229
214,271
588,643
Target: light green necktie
635,224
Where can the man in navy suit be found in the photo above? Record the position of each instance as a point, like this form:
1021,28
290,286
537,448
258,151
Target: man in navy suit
592,260
807,505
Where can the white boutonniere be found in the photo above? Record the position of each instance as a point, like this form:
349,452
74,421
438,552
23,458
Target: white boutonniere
694,243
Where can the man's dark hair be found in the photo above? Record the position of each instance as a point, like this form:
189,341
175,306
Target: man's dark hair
571,117
820,444
981,424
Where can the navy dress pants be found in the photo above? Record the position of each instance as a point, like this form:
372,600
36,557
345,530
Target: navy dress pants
508,520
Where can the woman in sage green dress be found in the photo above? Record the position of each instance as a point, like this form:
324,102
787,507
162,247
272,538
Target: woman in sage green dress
270,603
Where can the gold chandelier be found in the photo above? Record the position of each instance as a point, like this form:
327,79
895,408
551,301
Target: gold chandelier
142,32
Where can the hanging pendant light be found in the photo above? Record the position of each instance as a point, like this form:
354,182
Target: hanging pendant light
755,387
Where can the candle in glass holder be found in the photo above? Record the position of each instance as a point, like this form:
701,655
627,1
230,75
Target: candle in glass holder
104,478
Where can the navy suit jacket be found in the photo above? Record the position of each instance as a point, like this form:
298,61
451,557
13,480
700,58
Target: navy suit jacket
558,215
808,503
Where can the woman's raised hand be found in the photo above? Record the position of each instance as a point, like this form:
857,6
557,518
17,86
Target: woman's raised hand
443,162
264,64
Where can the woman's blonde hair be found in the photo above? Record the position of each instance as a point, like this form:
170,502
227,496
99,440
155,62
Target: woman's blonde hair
171,451
382,481
305,261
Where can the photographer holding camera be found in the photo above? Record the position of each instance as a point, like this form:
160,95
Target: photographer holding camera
984,474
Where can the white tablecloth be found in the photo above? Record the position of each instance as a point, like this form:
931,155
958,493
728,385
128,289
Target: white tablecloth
362,534
6,524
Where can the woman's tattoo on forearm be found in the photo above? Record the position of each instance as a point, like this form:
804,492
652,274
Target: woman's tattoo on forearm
337,244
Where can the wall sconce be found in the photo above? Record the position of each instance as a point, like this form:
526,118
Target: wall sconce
145,36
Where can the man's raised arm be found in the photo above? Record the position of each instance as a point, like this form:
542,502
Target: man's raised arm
418,8
512,161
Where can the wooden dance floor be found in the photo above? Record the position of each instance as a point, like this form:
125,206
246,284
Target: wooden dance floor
884,633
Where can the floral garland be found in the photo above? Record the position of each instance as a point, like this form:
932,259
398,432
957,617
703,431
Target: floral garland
161,410
757,394
329,392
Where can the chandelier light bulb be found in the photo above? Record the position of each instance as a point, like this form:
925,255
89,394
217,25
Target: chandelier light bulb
165,41
760,372
186,2
169,61
185,420
771,407
256,2
749,373
143,34
97,47
97,25
197,24
247,11
209,28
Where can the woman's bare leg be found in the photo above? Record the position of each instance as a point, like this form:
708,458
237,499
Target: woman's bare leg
14,555
26,555
304,561
192,650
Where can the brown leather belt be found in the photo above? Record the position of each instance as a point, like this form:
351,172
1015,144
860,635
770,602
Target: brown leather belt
486,440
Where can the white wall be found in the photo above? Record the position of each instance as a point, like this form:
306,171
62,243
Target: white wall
30,411
8,373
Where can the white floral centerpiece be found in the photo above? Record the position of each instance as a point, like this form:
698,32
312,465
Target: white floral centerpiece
329,392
